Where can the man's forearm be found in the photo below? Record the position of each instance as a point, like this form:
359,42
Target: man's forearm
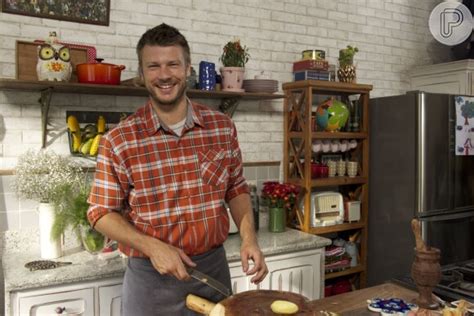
114,226
241,210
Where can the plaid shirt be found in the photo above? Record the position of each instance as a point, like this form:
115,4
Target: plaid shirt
169,187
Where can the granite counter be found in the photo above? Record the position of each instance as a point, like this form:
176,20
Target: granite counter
20,247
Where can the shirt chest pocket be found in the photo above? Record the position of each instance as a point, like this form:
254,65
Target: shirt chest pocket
213,167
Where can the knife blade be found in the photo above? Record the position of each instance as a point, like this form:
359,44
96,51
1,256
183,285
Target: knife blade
209,281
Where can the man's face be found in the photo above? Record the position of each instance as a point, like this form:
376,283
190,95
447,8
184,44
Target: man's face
164,72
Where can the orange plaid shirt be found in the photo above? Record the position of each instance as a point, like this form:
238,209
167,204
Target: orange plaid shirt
169,187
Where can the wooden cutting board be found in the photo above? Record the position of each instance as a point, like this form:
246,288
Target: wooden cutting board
258,302
27,57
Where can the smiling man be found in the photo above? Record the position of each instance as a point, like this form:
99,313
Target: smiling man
161,180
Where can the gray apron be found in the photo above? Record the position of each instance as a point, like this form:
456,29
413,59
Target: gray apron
146,292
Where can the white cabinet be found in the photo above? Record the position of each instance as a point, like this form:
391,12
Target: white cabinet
110,300
72,301
298,272
454,78
80,299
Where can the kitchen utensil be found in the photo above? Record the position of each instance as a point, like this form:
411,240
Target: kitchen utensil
247,303
99,73
209,281
416,227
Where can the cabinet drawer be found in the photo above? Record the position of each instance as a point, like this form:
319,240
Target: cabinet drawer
77,302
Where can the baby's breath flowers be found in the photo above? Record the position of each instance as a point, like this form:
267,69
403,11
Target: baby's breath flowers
41,175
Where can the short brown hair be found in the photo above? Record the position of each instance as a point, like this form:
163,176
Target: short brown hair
163,35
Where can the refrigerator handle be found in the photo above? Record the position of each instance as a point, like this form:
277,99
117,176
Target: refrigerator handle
420,152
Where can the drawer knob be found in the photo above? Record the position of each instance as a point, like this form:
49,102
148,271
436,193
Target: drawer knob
59,310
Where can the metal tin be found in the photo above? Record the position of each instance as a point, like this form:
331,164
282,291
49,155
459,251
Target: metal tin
315,54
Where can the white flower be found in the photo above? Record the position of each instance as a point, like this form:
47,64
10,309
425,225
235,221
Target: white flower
39,175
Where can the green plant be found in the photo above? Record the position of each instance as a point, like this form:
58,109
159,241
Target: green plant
234,55
71,209
346,55
40,175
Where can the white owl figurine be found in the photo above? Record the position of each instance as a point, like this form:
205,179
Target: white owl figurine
54,62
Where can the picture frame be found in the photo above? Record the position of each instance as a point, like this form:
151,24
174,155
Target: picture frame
89,12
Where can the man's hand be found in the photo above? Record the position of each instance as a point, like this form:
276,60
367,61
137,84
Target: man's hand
165,258
251,251
170,260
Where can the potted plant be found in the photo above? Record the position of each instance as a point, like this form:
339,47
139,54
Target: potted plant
71,211
347,70
281,199
234,57
39,177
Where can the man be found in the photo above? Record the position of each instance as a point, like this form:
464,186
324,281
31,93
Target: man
161,180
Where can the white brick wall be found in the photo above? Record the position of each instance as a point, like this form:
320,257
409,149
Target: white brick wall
392,36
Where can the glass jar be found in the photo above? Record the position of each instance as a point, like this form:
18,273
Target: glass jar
92,240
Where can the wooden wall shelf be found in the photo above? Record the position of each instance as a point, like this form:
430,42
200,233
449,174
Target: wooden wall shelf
229,100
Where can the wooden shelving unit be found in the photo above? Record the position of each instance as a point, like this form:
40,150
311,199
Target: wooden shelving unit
298,137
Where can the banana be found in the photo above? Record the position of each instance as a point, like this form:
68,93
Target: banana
101,125
95,145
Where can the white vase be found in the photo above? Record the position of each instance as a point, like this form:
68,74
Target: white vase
50,249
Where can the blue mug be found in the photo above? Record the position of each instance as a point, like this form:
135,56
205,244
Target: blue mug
207,75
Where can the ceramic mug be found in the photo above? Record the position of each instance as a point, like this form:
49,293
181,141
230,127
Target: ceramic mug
352,168
352,144
341,168
332,168
317,144
335,146
326,146
344,146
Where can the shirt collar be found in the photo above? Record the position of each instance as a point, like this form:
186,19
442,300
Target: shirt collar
153,122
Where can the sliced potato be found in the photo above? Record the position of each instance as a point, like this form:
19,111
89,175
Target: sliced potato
284,307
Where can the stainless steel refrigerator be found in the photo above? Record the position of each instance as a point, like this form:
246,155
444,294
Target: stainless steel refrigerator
414,172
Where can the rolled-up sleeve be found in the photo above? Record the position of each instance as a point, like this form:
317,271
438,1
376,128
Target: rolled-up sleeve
237,183
110,186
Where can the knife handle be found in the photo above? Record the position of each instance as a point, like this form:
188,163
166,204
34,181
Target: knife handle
199,304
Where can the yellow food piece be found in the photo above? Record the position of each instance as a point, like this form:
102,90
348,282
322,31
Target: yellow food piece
95,145
86,147
101,125
73,124
284,307
76,141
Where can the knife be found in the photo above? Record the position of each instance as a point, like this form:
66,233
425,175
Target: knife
209,281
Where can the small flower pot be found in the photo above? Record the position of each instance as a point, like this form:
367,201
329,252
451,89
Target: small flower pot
232,78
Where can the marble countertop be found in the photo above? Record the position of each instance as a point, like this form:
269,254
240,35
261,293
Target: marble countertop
20,247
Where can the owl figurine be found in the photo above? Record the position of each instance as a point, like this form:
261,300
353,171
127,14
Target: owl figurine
54,62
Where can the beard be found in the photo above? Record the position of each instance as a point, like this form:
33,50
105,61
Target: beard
158,100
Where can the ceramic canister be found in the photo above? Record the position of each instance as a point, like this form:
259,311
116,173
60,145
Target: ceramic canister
207,75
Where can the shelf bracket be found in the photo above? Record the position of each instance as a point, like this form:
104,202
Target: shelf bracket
229,105
45,101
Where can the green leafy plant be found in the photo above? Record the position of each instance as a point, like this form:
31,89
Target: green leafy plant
346,55
40,175
234,54
71,209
